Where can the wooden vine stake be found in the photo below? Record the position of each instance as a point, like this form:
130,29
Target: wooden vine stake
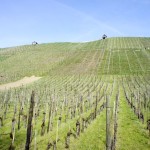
29,127
12,134
108,146
49,117
57,133
1,122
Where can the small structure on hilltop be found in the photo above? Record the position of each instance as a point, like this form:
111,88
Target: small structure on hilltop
34,43
104,36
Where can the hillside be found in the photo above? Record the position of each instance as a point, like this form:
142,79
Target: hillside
112,56
70,98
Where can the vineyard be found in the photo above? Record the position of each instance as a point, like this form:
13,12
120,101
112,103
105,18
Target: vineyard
90,96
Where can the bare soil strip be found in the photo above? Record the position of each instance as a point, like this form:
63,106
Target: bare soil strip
22,82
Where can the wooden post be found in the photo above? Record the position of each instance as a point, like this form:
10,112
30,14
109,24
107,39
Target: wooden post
57,133
28,137
95,113
108,147
12,135
67,140
43,124
78,128
35,132
19,118
49,127
148,126
1,122
13,130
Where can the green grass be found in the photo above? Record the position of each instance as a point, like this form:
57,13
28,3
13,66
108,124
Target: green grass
130,129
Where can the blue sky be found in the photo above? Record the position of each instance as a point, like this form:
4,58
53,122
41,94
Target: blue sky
23,21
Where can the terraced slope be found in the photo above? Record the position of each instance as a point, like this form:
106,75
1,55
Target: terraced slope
70,98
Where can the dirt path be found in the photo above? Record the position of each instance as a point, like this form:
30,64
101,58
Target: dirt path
24,81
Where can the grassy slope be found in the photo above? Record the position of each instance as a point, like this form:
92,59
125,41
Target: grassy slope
131,132
110,57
